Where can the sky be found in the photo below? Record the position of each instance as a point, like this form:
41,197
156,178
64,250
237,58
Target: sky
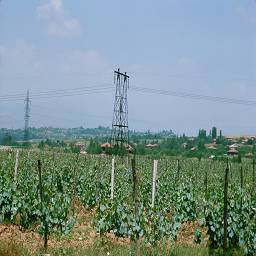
193,46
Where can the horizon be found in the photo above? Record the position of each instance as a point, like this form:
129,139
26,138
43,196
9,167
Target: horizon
136,131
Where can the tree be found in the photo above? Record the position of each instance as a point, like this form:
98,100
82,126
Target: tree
202,134
74,148
214,132
201,145
94,147
140,149
41,144
7,140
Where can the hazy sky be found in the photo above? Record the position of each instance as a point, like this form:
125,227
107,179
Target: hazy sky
194,46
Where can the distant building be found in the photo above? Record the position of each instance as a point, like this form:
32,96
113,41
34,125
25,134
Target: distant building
194,149
184,145
232,152
151,145
210,146
81,145
105,145
249,155
129,148
233,146
244,138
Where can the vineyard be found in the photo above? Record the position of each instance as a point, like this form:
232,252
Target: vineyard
40,191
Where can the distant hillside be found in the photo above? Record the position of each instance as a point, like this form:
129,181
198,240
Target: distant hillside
43,133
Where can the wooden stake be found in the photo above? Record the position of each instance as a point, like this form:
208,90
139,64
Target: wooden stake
242,176
136,202
112,179
16,166
253,172
154,182
225,215
74,183
230,169
42,210
242,185
178,169
206,183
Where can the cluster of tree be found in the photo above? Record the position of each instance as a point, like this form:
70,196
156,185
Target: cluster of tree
148,135
171,145
43,133
7,140
94,147
51,144
165,142
100,132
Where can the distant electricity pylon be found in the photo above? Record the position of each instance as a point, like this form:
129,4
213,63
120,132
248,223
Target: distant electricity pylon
26,117
120,130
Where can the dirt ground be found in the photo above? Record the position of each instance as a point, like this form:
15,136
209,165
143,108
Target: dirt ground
83,235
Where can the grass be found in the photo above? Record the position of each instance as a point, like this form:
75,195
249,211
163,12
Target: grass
102,247
12,249
83,241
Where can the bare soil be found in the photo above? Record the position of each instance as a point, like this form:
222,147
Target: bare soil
83,235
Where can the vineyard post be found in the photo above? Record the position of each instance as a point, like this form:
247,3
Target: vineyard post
197,169
112,179
206,180
241,176
136,202
127,162
178,169
53,172
154,182
98,175
75,173
253,171
230,168
206,185
41,203
242,184
225,215
16,166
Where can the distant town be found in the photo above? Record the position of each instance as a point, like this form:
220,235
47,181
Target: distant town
97,141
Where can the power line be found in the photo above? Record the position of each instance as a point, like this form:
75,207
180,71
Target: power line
74,94
59,96
105,89
60,93
57,91
194,96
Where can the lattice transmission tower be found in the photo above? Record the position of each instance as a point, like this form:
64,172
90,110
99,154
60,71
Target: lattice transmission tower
26,118
120,129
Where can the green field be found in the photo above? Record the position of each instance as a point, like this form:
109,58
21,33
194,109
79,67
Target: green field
74,208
